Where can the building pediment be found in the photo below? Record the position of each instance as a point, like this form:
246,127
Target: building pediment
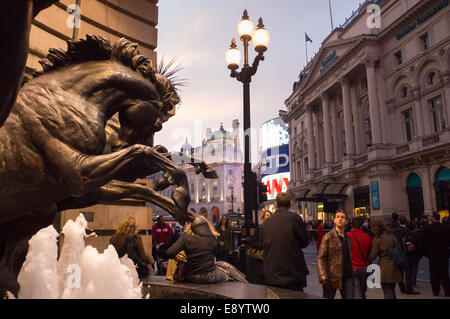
330,56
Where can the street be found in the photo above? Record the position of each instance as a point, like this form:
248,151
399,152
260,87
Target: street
423,283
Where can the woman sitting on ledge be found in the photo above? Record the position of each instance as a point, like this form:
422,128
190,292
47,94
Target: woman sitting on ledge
199,241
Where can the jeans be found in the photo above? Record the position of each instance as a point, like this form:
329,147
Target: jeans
389,291
360,283
347,291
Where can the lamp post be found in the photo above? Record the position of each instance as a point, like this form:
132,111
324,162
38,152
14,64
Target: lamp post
260,38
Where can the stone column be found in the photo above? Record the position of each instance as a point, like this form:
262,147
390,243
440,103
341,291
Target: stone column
327,130
348,121
374,105
335,130
317,140
311,143
356,119
446,100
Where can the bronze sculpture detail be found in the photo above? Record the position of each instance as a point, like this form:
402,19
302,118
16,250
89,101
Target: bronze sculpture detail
79,132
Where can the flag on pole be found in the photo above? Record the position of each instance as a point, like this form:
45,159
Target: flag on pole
307,38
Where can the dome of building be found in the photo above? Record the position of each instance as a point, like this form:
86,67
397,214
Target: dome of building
220,134
186,148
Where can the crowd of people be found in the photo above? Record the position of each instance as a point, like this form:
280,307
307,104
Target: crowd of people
345,249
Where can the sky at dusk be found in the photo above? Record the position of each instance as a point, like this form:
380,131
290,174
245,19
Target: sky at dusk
198,33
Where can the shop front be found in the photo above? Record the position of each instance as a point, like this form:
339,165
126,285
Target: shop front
442,186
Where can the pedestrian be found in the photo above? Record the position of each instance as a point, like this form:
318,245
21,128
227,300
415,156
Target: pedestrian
334,260
394,224
282,237
407,245
127,241
255,268
319,233
161,231
415,251
361,245
199,241
225,240
437,241
382,245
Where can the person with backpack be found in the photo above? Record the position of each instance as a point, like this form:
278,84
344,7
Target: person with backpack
407,246
361,245
383,246
415,251
126,240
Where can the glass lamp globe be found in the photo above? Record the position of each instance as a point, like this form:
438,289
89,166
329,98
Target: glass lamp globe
245,27
233,56
261,38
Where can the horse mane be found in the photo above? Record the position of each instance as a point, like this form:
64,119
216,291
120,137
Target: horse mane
125,52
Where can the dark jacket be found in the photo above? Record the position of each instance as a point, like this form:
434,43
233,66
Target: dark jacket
200,252
283,236
330,261
437,240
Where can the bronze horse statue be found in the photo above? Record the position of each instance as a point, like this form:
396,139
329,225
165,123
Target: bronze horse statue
79,132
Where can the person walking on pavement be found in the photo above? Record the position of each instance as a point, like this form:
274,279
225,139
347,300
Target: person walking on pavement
437,241
403,236
382,245
319,233
225,240
282,237
361,245
334,261
416,252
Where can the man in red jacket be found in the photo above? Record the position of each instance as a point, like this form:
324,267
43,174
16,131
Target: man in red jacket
161,231
319,233
361,245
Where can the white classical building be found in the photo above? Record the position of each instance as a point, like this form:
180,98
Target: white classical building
220,150
369,118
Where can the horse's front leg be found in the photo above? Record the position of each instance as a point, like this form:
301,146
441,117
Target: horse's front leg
99,170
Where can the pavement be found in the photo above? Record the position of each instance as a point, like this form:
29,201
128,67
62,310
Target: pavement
423,283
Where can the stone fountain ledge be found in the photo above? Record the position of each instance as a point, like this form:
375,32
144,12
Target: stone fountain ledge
160,288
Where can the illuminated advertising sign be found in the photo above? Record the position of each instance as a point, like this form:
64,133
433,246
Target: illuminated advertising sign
275,170
276,184
274,133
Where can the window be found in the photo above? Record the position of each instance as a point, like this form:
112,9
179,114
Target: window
407,120
431,78
299,170
398,58
305,165
404,92
425,40
437,114
295,131
364,84
302,125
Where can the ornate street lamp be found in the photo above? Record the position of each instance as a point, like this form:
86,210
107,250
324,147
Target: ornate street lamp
260,38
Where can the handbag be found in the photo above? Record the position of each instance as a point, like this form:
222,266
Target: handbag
399,258
255,253
181,271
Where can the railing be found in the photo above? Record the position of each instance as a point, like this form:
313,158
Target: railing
430,140
317,174
402,148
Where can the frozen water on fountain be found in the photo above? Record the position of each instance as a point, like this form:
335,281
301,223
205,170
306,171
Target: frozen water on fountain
80,272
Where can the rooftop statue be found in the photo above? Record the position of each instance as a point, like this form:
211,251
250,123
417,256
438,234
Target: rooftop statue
79,132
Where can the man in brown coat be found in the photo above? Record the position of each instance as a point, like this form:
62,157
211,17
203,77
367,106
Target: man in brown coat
334,262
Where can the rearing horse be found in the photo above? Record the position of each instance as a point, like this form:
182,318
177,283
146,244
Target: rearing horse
52,144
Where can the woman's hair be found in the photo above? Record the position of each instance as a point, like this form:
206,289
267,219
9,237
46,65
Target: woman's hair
263,215
128,227
379,228
188,229
227,224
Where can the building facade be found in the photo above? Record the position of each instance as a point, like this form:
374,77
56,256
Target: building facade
369,118
220,150
113,19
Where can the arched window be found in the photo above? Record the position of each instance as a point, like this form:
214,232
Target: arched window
414,180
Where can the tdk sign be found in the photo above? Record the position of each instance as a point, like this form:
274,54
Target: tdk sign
275,161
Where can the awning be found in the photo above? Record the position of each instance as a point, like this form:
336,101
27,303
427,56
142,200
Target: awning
323,192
